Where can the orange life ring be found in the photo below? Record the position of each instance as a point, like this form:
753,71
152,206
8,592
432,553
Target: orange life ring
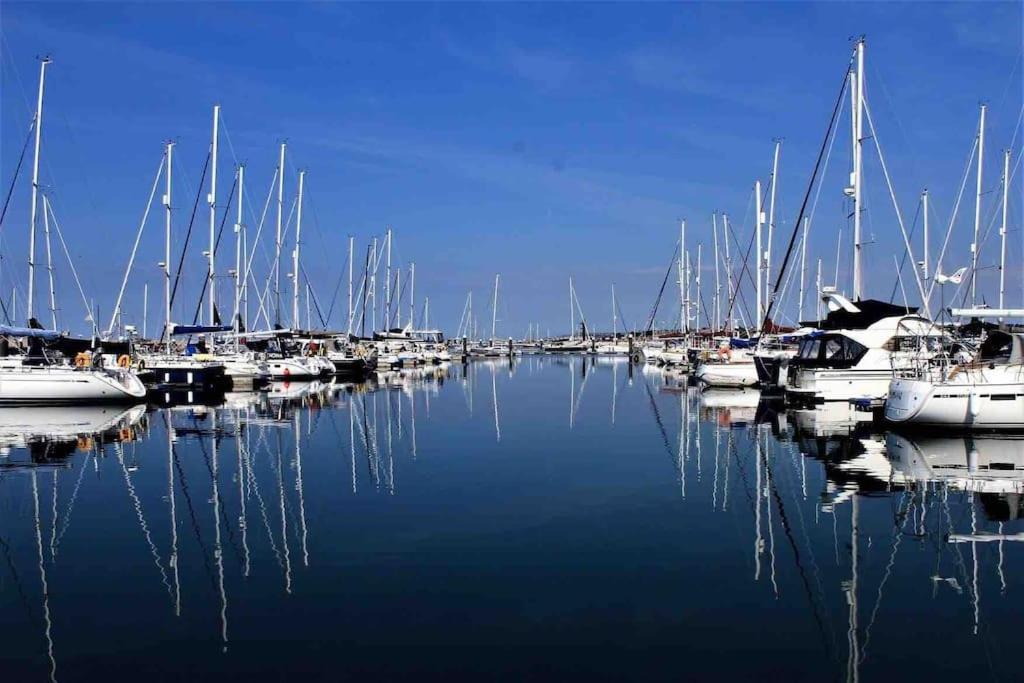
124,361
82,360
725,352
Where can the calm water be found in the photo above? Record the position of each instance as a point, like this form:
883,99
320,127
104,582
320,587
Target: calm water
559,519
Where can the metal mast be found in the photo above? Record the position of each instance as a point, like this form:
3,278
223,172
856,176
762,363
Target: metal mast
387,283
858,166
1002,229
682,277
803,271
572,313
759,280
277,239
145,307
728,271
412,294
236,322
212,201
924,208
718,286
35,190
167,249
49,260
771,222
696,281
977,209
614,316
494,309
296,322
351,254
817,295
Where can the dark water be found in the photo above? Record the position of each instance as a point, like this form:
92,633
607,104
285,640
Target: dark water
559,520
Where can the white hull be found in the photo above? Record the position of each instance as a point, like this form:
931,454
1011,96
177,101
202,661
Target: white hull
956,405
44,385
825,385
297,368
612,349
732,375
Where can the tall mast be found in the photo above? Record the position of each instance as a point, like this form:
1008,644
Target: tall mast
351,254
277,239
398,307
817,293
572,313
858,167
771,222
296,322
145,307
49,261
728,270
244,303
372,289
35,190
696,279
682,277
387,284
759,280
167,248
1002,228
426,312
803,271
718,286
494,309
412,294
212,200
614,317
975,247
924,208
236,316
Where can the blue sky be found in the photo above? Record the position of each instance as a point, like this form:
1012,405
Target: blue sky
535,140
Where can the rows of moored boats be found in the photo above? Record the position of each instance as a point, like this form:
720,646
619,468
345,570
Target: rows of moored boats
863,354
868,356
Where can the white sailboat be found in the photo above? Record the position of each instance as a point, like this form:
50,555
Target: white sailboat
36,377
984,393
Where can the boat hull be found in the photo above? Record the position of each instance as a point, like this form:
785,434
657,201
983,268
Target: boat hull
728,375
952,405
67,386
810,386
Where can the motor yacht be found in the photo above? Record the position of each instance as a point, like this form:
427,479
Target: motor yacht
858,350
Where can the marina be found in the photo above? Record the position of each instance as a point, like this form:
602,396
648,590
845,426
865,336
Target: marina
449,342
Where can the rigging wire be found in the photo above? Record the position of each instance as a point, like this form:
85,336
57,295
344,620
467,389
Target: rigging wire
807,196
188,234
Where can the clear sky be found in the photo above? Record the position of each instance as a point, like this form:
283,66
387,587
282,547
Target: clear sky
535,140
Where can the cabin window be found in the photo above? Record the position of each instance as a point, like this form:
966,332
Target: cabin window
839,350
809,349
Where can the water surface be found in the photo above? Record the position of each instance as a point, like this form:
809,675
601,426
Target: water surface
559,518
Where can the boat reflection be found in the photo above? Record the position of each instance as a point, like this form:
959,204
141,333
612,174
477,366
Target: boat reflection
47,436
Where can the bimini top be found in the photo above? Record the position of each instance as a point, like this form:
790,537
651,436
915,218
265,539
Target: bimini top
880,332
846,315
